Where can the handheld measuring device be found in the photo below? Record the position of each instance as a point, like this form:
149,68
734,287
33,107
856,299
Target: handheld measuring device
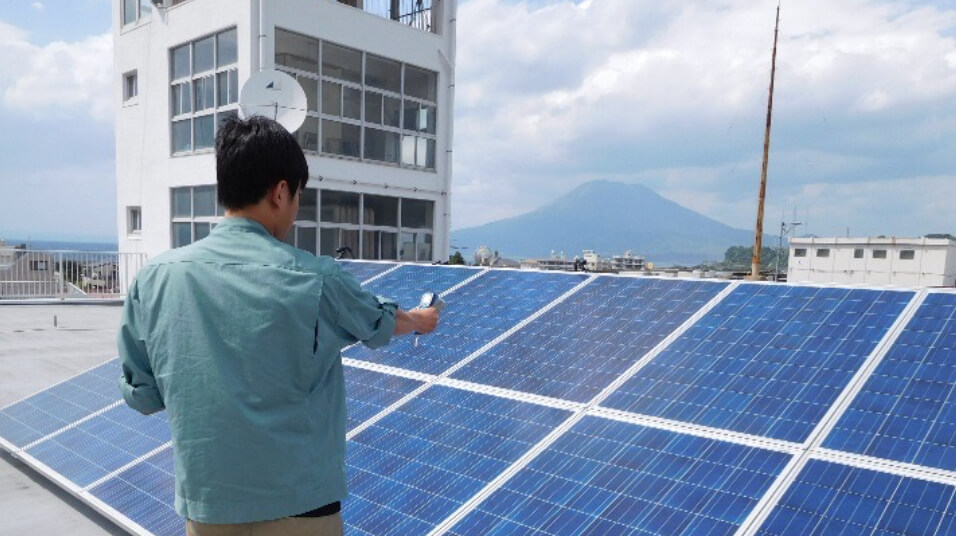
429,299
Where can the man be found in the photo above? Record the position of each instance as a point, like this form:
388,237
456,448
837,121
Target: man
238,338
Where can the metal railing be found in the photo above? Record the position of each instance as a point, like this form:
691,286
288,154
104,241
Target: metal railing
32,274
418,14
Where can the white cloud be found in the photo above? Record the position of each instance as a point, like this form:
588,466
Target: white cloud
37,6
908,207
551,96
44,81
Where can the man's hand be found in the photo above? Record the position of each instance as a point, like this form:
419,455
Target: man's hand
420,320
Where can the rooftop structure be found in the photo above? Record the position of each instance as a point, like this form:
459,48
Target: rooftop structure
590,261
908,262
379,80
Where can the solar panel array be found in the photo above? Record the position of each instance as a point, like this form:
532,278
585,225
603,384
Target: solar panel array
561,403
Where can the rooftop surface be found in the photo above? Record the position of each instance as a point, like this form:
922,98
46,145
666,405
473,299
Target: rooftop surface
33,356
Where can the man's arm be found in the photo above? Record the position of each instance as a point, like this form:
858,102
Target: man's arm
137,384
371,319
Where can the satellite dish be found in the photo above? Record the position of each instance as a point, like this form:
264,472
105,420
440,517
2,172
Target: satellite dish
275,95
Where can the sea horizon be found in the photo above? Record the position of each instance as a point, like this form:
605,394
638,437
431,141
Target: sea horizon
70,245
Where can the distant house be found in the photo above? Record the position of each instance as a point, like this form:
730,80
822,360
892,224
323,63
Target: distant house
25,273
909,262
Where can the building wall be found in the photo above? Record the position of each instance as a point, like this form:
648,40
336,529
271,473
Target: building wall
146,170
933,263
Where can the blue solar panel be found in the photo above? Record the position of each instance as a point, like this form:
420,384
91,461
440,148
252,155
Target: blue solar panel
50,410
103,444
578,348
474,315
417,465
368,393
768,360
608,477
145,494
407,284
829,498
907,408
365,270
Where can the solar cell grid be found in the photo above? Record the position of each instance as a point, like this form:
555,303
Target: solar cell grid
417,465
906,411
370,392
759,364
407,283
830,498
105,443
48,411
365,270
474,315
608,477
582,345
145,494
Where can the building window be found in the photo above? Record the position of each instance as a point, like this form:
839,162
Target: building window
858,253
907,254
375,226
134,10
194,213
368,226
879,253
204,90
823,252
134,220
130,86
40,266
800,252
360,105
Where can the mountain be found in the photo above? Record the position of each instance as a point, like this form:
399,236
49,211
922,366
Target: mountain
610,218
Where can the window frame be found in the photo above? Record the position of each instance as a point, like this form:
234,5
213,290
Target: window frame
429,140
134,221
130,91
362,227
907,254
193,220
212,77
141,14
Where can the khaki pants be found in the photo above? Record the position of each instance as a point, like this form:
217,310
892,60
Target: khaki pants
288,526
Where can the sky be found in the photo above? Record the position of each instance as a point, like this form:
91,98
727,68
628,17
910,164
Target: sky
553,93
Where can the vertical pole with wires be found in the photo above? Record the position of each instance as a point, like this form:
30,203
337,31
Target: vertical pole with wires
758,233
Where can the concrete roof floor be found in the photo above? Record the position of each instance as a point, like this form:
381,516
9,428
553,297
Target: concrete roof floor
33,356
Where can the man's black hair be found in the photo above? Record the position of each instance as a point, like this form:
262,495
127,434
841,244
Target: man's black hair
252,156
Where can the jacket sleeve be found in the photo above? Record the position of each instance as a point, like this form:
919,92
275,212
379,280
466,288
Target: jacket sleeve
366,317
138,384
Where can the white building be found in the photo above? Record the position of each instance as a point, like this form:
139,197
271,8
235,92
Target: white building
909,262
379,81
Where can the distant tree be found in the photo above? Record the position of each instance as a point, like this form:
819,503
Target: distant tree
739,258
456,258
941,235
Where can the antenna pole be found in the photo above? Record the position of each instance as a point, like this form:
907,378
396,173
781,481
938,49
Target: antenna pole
758,233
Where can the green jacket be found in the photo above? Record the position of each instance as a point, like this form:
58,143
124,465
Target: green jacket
238,337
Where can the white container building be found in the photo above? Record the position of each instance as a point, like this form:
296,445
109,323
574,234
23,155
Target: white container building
906,262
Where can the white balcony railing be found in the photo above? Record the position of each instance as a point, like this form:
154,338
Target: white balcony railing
32,274
419,14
